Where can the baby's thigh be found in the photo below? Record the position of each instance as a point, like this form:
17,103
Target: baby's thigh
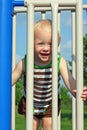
36,123
47,123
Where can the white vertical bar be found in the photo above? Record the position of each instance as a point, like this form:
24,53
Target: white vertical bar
13,65
59,27
79,64
73,69
43,13
59,121
30,64
54,66
59,117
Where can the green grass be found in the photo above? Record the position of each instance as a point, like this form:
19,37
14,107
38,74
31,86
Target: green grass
20,122
66,119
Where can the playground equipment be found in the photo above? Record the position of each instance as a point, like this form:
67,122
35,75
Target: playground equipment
8,7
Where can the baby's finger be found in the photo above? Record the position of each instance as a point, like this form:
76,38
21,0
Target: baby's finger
84,96
74,91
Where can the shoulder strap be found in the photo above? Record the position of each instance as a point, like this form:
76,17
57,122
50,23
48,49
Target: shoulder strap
59,58
25,63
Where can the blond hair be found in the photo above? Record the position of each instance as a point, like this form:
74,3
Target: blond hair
44,23
41,24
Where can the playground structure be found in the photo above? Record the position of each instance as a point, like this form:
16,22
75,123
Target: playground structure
9,9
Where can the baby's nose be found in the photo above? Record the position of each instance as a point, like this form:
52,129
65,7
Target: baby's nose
47,46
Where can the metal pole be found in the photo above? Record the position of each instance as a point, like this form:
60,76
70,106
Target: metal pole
30,65
73,69
15,3
24,9
59,12
18,3
54,65
13,65
48,2
67,2
43,13
5,63
79,65
59,117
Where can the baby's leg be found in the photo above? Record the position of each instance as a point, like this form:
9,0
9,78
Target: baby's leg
36,123
47,123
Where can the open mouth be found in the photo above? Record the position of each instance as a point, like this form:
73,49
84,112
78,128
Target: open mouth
44,54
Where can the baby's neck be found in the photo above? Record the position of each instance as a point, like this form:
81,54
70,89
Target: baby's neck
42,64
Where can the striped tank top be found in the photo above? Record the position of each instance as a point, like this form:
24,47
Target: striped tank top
42,86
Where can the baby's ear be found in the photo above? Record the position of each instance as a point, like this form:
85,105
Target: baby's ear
59,39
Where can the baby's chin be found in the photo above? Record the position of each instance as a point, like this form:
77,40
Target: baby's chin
45,61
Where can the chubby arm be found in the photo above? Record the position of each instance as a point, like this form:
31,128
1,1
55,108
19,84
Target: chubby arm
69,81
17,72
67,77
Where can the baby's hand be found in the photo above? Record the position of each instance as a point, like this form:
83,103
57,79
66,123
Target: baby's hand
84,93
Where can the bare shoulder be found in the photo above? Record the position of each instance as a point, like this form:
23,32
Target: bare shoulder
17,72
20,66
63,62
63,66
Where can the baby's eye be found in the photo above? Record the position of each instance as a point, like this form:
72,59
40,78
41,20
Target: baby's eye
40,43
49,44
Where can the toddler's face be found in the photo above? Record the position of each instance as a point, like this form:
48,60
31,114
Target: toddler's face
43,45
